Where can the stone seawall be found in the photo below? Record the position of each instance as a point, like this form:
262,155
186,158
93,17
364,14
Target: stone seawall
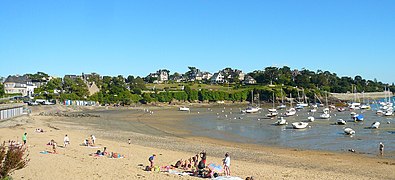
368,96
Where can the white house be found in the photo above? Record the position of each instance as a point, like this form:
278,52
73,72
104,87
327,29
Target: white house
249,80
217,78
19,85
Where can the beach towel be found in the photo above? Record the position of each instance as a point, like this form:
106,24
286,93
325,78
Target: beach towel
227,178
172,171
44,152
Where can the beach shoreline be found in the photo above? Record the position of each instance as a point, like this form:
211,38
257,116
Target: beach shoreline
247,159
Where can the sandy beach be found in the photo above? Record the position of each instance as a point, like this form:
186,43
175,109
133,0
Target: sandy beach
161,133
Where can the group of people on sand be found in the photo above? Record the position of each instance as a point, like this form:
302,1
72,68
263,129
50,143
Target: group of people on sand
195,166
90,141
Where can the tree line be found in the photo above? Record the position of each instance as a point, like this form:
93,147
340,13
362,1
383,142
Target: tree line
280,82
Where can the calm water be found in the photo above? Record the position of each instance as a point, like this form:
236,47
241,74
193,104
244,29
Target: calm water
231,125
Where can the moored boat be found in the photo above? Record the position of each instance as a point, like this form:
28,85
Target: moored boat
349,131
341,122
184,109
375,125
281,121
299,125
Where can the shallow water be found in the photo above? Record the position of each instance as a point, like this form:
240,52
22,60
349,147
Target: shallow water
231,125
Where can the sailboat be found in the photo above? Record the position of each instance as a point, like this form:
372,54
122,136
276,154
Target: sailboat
282,105
252,108
291,111
364,105
301,105
354,105
326,114
272,111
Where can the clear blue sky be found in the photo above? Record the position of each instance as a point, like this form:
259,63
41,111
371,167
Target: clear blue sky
348,37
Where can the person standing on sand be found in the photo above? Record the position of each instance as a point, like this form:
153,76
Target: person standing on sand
66,140
227,164
381,148
24,138
129,141
151,160
93,139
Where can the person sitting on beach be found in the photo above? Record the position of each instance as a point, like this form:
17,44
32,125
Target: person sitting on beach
178,164
185,165
209,174
50,142
39,130
85,142
104,152
200,168
89,142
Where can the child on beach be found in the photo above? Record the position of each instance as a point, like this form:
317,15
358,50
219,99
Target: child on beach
227,164
54,145
66,140
381,148
93,139
24,138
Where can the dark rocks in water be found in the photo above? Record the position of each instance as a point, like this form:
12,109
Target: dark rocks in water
61,114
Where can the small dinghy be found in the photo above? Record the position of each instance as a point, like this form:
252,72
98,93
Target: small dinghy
299,125
281,121
341,122
375,125
349,131
310,118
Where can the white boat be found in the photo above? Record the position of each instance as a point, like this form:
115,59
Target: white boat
341,122
349,131
389,112
282,106
375,125
273,109
290,112
354,106
281,121
341,109
313,110
298,106
379,112
326,114
252,109
272,114
184,109
299,125
365,106
310,118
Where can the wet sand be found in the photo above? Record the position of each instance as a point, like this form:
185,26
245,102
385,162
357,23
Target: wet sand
162,133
